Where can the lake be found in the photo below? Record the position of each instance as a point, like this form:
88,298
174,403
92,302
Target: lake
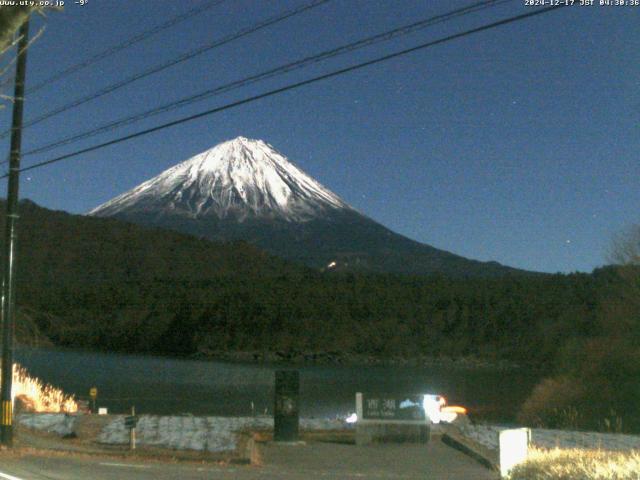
160,385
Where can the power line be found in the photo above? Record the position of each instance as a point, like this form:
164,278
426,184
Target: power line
282,69
126,44
182,58
293,86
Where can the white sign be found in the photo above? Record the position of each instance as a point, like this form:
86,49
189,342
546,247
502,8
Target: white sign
514,448
102,411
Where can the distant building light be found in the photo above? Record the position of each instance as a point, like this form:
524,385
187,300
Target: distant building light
332,264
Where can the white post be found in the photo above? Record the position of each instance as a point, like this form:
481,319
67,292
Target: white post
514,448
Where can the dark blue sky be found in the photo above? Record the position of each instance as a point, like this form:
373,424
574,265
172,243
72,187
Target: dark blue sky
519,144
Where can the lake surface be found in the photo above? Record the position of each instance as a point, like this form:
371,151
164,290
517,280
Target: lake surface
160,385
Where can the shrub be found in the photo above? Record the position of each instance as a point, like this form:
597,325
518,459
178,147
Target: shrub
578,464
597,388
554,403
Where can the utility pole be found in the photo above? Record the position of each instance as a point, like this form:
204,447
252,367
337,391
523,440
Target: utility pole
9,247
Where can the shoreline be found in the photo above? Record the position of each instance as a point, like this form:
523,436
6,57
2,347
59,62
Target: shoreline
322,358
352,360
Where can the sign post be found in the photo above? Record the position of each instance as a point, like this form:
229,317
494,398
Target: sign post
130,422
93,394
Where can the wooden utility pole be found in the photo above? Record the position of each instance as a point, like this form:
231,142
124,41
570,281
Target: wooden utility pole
9,248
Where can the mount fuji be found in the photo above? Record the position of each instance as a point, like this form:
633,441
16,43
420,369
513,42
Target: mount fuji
244,189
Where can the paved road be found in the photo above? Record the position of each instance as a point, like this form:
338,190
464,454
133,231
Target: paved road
434,461
281,462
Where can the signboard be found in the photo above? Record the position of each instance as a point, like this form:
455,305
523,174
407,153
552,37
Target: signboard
394,408
383,418
130,421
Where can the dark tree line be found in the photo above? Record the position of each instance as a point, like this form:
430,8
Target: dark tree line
106,284
522,319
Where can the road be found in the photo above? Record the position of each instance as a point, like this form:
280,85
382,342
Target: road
280,462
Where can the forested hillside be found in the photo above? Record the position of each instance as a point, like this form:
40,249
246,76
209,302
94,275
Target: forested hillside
109,285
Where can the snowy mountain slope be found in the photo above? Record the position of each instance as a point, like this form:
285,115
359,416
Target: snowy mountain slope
245,190
237,179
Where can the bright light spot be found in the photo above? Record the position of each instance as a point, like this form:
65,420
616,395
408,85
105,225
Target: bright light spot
436,410
431,405
332,264
37,396
454,409
448,417
353,418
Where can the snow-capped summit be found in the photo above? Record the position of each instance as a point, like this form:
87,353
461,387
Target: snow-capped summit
237,179
245,190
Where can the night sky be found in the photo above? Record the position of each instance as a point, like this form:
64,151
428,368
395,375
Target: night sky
518,144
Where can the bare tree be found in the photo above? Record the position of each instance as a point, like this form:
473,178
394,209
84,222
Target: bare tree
11,18
625,247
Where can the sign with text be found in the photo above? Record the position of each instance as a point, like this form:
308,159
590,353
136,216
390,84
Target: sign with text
387,407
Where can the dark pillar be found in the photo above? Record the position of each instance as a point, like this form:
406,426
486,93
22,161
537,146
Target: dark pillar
286,411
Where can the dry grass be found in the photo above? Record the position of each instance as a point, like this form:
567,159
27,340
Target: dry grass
578,465
37,396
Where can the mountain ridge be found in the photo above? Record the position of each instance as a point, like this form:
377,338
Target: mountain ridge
244,189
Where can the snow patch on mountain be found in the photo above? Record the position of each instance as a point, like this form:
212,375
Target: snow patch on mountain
240,178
